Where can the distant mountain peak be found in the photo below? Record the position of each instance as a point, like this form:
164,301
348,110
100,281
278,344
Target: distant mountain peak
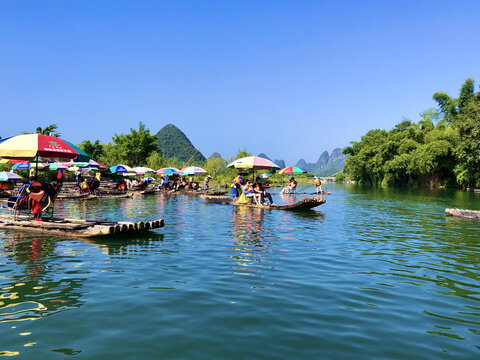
263,155
173,143
215,155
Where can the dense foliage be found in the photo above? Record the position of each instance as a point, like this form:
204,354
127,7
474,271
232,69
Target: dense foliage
441,149
136,148
173,143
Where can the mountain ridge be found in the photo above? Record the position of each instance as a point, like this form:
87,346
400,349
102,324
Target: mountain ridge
173,143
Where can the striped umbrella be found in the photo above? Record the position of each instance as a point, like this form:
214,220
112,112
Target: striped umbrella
28,165
253,162
142,170
168,171
29,146
82,155
118,169
9,176
192,170
292,170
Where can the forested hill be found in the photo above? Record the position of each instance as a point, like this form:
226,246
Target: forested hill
441,149
173,143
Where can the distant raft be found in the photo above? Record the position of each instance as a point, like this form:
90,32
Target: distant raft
77,227
302,204
463,213
304,193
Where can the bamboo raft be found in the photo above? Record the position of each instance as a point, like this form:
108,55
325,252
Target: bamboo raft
302,204
76,196
77,227
195,192
463,213
304,193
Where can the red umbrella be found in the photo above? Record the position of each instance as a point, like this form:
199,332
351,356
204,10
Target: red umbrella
42,147
36,146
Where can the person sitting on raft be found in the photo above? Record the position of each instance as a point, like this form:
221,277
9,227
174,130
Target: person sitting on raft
37,197
206,181
236,187
249,192
182,185
121,186
260,190
290,187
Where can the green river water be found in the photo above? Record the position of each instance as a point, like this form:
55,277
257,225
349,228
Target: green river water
371,274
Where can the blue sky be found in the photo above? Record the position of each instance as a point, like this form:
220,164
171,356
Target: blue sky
288,78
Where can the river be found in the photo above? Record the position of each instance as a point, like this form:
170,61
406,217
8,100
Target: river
371,274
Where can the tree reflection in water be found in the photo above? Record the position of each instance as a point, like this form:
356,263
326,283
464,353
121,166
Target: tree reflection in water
41,288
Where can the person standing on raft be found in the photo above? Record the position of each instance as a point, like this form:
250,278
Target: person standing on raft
206,181
236,187
318,184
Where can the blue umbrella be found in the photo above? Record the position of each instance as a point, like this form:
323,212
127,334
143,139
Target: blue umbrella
116,169
148,178
168,171
9,176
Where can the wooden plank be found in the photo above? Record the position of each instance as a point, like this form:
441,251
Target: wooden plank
305,203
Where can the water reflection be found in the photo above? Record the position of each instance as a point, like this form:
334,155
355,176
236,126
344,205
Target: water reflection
410,246
250,239
38,289
126,244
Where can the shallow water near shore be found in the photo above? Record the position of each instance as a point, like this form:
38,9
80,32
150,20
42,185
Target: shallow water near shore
371,274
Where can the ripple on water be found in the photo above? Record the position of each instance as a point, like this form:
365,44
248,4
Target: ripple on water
376,273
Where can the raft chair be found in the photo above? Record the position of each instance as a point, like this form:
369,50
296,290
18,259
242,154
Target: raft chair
20,202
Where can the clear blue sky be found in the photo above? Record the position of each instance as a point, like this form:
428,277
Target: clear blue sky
288,78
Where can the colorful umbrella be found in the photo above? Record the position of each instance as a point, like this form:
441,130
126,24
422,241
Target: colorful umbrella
28,146
117,169
101,166
168,171
253,162
142,170
292,170
89,163
82,155
148,178
9,176
192,170
28,165
265,176
80,169
57,166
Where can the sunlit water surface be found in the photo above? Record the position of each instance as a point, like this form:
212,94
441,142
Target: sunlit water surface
371,274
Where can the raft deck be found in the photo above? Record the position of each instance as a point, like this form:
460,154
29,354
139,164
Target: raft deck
77,227
303,193
302,204
463,213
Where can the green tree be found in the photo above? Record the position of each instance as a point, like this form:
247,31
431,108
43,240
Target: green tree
467,151
49,130
442,148
242,153
215,166
466,95
135,147
95,150
156,161
110,155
